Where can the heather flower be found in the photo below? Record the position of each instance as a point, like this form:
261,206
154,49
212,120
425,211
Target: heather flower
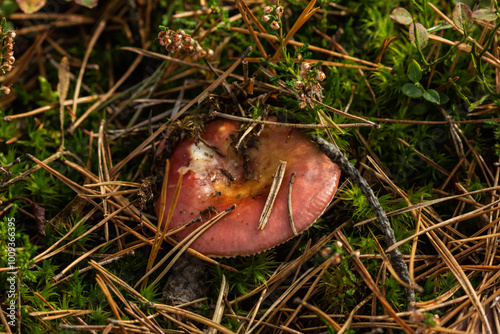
320,76
179,40
268,9
275,25
7,55
279,10
298,84
265,18
5,90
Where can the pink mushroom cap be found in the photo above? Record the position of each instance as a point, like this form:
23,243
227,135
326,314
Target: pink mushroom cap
207,182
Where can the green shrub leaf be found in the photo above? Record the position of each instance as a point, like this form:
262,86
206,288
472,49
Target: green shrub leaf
484,14
414,71
401,16
421,34
462,16
432,96
412,91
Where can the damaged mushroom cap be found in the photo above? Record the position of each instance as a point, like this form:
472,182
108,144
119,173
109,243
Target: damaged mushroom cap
211,180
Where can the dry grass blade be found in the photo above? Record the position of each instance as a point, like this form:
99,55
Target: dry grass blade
117,256
109,298
113,183
309,292
320,313
249,25
285,296
5,323
42,255
430,203
314,48
273,192
290,125
143,319
286,269
162,227
426,159
102,178
86,99
89,231
388,265
97,33
25,174
307,13
162,308
106,96
461,277
348,322
75,186
183,245
117,280
372,285
465,216
219,305
62,89
289,204
162,128
192,238
84,256
255,309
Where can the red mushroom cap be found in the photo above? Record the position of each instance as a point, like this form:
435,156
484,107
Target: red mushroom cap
207,182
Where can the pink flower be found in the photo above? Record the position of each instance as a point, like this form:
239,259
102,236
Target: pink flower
279,10
265,18
275,25
268,9
320,76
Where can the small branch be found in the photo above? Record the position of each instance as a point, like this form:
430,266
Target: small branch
353,174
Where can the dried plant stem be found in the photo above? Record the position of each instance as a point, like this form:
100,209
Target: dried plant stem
290,211
268,207
395,255
291,125
95,36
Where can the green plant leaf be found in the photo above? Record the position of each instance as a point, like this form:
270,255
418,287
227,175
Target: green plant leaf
443,98
30,6
414,71
401,16
87,3
484,14
413,91
421,34
432,96
478,102
462,16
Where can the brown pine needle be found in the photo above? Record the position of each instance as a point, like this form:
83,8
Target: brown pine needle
290,211
273,192
183,245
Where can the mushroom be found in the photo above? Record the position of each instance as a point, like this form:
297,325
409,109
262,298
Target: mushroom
215,177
